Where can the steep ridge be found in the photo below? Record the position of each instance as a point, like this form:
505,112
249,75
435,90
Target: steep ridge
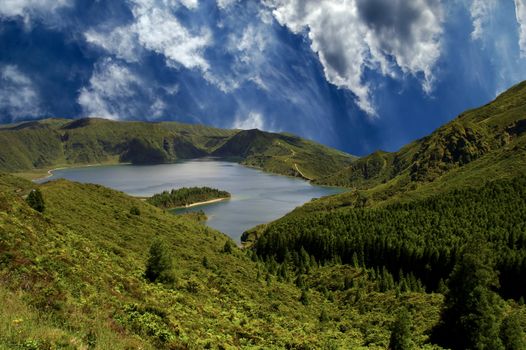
59,142
487,134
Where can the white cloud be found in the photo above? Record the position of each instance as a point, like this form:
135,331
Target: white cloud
351,36
247,47
110,92
25,8
254,120
520,10
481,11
121,41
249,44
156,28
157,108
160,31
223,4
191,4
18,96
116,92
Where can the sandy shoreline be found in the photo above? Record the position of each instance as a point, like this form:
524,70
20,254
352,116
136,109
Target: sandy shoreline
203,203
189,205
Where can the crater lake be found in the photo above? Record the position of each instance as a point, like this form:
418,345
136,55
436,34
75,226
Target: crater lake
257,197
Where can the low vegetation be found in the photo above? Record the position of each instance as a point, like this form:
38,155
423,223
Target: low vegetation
186,196
87,273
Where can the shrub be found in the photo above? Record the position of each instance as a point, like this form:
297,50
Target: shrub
135,211
227,248
159,267
36,201
304,298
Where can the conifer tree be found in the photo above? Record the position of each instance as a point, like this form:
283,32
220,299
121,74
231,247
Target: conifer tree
471,316
512,334
36,201
159,267
401,332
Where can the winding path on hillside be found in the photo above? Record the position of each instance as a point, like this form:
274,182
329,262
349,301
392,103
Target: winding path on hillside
293,153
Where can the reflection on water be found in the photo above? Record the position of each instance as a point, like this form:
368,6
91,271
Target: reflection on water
257,197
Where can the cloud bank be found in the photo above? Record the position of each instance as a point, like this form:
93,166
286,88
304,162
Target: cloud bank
18,95
520,11
351,37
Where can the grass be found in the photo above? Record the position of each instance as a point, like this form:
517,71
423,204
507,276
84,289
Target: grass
74,277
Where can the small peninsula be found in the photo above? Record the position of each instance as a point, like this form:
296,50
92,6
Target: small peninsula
187,197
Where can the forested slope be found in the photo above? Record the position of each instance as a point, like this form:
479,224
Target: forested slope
421,237
445,214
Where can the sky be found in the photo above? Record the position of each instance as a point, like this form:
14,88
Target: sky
357,75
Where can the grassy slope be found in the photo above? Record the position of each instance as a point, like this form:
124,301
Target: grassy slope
284,154
482,144
57,142
74,277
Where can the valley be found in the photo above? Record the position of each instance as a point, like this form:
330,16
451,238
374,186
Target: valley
424,247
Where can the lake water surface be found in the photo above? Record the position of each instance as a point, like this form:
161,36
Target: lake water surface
257,197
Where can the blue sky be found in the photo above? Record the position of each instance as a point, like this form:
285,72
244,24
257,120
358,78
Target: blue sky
358,75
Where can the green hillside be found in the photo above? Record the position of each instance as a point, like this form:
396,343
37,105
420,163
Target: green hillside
41,145
466,177
483,143
427,251
283,154
420,211
74,278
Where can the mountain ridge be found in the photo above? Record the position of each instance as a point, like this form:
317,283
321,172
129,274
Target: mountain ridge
48,143
463,151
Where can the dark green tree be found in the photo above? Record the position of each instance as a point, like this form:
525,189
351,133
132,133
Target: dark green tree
227,248
472,310
401,332
36,201
159,267
205,262
135,211
512,334
324,316
304,298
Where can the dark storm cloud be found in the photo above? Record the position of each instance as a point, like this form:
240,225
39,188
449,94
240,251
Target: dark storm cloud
392,18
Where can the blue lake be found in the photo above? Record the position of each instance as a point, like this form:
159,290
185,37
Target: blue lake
257,197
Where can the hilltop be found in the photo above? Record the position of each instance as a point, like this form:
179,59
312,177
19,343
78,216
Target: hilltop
480,144
41,145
